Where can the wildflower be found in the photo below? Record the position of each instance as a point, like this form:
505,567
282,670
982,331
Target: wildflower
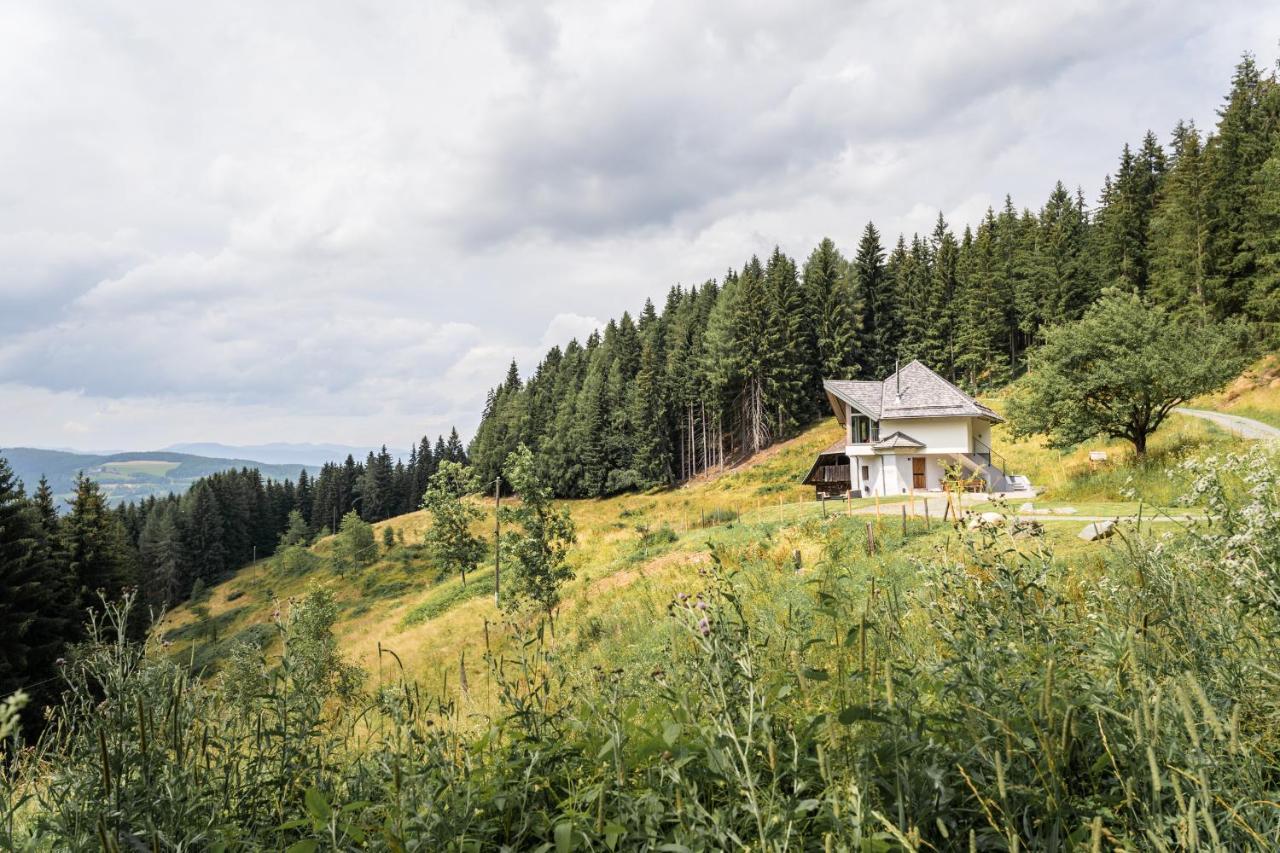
702,605
704,626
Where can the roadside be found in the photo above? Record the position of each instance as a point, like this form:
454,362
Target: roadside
1235,424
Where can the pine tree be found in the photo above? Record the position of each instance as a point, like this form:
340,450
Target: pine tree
1180,228
834,316
202,531
791,350
96,546
36,612
651,451
160,557
881,323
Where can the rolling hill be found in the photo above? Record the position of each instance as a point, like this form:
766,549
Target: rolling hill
130,475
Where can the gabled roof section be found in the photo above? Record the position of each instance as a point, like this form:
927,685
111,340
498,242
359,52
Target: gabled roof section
897,439
915,391
863,396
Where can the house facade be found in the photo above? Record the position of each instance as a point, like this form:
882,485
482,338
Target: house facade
904,433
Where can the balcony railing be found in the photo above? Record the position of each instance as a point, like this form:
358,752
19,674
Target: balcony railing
832,474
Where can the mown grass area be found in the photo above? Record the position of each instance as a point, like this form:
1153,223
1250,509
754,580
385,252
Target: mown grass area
1256,394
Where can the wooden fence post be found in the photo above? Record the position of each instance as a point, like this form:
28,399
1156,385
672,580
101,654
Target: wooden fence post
871,539
904,521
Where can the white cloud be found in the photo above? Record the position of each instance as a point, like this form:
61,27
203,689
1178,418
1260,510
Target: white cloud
340,222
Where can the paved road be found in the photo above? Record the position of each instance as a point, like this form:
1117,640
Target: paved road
1243,427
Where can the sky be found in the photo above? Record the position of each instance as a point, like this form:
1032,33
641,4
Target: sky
339,222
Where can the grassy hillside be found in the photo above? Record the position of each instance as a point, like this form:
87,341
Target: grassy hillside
132,475
1256,394
735,666
635,551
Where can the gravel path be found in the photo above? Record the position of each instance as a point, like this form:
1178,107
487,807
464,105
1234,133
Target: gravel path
1243,427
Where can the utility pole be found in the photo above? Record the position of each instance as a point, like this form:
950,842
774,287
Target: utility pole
497,541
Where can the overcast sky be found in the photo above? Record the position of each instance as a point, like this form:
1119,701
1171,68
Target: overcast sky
311,221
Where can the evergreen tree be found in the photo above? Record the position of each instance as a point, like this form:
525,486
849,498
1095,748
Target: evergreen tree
97,549
36,616
874,291
834,315
160,557
791,364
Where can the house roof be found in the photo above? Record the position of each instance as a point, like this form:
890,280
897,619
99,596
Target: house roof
914,391
896,439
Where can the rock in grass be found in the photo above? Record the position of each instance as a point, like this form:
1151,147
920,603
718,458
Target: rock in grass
1098,530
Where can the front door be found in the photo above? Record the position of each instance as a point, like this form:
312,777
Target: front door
917,472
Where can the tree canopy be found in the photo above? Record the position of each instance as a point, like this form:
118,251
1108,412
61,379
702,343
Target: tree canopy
1119,371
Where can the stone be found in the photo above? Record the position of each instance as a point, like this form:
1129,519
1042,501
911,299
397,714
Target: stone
1098,530
1068,510
1027,507
986,519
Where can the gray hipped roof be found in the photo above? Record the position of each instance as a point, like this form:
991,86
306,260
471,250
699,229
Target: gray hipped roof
915,391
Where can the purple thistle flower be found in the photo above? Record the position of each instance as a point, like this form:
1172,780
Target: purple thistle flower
704,626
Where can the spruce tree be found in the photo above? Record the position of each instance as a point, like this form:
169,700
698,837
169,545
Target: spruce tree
834,316
36,604
97,549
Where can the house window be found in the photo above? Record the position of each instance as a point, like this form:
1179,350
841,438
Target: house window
865,430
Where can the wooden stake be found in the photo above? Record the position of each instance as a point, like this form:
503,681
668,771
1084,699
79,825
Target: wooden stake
904,521
497,541
871,539
928,524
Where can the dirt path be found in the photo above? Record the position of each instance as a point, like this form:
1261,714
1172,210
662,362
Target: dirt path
1243,427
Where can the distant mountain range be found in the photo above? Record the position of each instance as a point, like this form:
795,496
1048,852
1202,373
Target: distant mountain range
283,453
132,475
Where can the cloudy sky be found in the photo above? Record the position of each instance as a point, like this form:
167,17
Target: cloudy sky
313,221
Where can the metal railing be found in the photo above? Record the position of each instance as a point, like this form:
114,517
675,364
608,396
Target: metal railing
986,455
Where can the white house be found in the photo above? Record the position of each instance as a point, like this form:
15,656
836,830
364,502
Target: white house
903,433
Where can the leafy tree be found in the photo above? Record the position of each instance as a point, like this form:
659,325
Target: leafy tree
540,544
449,537
1118,372
355,546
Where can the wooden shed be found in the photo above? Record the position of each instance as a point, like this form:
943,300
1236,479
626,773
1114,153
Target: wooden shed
830,475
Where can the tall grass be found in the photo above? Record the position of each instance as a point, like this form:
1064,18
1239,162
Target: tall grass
988,696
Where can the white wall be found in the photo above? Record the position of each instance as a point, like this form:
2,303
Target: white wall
938,435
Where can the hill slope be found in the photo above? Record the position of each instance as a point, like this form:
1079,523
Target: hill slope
635,550
131,475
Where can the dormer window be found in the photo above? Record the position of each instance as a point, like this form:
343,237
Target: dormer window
864,430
